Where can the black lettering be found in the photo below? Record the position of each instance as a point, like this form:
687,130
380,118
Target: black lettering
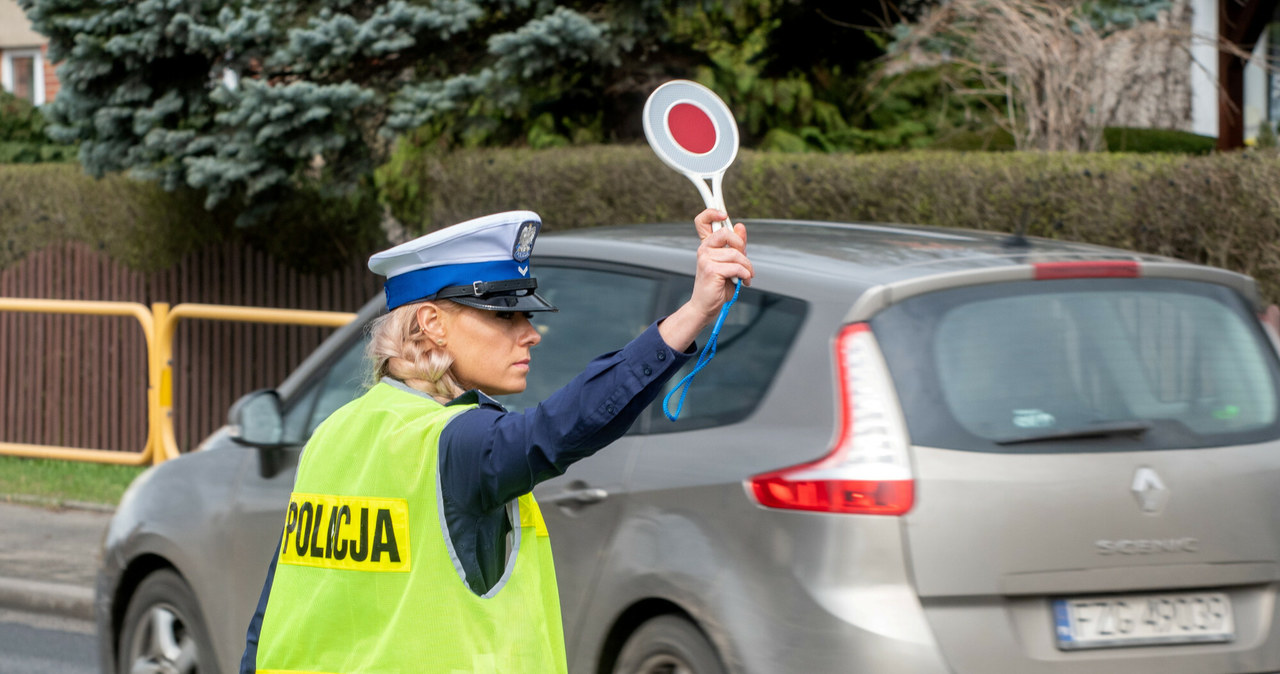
303,530
359,554
335,532
316,550
291,520
384,525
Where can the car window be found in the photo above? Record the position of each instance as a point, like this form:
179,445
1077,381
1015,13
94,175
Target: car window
755,337
600,310
1171,364
344,382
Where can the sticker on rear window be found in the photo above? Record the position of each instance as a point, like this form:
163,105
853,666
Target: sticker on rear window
1033,419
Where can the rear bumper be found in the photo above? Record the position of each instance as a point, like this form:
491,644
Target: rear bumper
1016,634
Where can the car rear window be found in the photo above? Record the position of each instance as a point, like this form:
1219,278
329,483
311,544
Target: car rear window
1081,365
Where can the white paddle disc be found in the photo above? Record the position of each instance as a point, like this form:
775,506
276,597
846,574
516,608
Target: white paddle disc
693,132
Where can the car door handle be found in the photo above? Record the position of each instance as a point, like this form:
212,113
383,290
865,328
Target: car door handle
574,497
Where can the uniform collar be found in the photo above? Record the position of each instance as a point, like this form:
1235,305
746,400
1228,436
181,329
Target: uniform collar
476,397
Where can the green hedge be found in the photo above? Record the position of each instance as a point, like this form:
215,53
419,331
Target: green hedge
1220,209
141,225
35,153
135,222
1127,139
22,135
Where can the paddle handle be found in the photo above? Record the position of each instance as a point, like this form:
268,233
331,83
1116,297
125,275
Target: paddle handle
712,196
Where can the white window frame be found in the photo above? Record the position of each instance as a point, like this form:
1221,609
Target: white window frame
6,71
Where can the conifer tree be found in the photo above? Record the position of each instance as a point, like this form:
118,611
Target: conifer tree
248,100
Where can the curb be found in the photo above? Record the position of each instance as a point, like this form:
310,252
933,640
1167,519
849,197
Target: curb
36,596
56,503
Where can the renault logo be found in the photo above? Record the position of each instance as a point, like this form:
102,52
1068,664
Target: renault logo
1150,491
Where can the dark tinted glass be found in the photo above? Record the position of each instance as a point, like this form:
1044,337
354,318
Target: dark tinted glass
343,383
600,310
755,338
1081,365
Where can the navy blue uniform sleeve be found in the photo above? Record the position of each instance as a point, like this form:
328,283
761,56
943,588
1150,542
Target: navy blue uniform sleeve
490,456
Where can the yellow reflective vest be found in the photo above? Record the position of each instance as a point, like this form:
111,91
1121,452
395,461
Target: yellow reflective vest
367,581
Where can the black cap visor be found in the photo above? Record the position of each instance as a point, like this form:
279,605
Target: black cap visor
530,302
513,295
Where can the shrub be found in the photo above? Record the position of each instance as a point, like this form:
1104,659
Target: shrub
1266,135
20,122
1220,209
1128,139
22,137
141,225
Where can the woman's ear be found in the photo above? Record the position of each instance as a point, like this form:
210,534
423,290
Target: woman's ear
432,322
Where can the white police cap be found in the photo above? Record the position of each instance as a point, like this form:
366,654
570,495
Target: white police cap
483,263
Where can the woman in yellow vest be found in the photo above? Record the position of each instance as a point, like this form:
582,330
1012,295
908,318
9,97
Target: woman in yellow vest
412,542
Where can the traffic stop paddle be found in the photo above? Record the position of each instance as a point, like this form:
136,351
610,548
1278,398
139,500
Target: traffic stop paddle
693,132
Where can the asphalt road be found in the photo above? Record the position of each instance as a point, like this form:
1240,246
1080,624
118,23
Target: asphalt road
32,643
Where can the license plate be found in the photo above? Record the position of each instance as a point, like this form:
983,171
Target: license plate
1114,621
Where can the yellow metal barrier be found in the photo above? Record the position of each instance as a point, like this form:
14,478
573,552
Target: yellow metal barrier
159,326
167,325
144,317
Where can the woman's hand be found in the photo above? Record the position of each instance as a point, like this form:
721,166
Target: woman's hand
722,258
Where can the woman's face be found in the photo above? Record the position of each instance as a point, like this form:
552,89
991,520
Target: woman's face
490,349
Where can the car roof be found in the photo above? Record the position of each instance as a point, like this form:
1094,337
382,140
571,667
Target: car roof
847,258
869,251
877,253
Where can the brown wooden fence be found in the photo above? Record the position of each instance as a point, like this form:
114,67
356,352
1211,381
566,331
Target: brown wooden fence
81,381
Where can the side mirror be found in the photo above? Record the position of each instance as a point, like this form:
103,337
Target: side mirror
257,420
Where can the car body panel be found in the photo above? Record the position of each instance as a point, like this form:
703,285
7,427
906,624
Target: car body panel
961,583
171,515
580,558
995,524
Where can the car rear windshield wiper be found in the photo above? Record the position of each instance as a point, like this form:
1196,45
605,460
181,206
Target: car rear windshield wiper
1103,430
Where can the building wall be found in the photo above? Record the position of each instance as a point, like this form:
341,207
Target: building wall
1203,71
17,37
15,29
51,83
1255,90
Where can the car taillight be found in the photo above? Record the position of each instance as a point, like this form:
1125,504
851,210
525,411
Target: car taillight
1050,271
868,471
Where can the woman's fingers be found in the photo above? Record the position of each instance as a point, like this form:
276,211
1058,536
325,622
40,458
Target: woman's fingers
722,257
728,264
734,238
705,221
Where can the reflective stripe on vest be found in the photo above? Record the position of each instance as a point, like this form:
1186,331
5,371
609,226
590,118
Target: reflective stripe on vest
366,581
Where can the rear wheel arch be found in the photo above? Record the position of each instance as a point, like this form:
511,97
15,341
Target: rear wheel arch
138,570
133,575
163,628
633,618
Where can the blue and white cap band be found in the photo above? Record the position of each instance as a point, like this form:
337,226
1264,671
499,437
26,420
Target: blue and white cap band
485,250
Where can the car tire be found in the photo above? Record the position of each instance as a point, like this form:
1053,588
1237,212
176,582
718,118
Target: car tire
163,631
668,645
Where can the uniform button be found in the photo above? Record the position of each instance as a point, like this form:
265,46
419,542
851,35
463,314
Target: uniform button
609,409
662,355
647,371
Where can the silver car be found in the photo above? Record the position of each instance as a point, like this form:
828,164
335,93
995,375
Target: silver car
917,451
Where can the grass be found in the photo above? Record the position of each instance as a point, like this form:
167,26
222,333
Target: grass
54,482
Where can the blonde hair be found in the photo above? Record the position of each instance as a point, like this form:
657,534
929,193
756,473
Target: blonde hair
400,350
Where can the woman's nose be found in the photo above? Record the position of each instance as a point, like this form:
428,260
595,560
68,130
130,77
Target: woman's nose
528,334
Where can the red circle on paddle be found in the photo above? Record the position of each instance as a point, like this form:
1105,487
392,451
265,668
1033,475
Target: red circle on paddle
691,128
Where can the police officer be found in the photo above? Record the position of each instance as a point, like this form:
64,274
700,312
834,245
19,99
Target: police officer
412,542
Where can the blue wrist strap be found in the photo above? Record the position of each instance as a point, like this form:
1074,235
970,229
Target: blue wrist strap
708,352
